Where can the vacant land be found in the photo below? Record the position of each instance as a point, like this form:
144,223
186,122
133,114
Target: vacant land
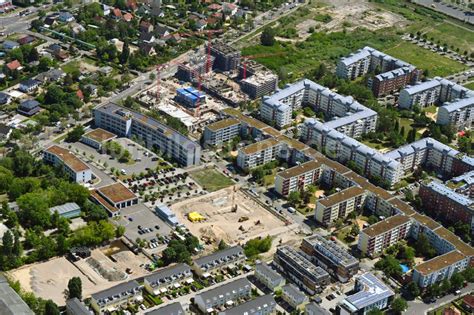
425,59
464,39
211,179
248,221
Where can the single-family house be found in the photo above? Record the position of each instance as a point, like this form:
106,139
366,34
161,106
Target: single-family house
116,13
127,17
9,45
29,107
161,31
5,98
29,86
28,39
14,65
5,132
145,27
132,5
147,49
91,89
229,8
65,17
148,38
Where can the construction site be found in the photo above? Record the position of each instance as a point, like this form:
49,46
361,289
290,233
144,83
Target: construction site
231,215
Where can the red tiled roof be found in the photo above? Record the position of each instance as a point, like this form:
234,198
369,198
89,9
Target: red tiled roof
13,65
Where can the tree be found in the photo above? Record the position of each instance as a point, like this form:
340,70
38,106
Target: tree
75,134
125,53
294,198
222,245
120,231
50,308
457,280
355,230
75,288
256,246
413,289
375,311
399,305
267,38
423,246
390,265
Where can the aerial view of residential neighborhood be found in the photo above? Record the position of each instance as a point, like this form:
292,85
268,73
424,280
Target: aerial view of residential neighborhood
236,157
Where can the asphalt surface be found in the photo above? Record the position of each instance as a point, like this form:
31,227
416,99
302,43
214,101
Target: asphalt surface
454,12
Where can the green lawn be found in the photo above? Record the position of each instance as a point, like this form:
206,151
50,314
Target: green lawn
430,109
424,59
451,35
470,85
211,180
71,66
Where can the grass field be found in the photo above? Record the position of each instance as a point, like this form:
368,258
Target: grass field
452,35
470,85
424,59
211,180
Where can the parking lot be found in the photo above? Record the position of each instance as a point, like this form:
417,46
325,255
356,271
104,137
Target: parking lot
142,159
151,226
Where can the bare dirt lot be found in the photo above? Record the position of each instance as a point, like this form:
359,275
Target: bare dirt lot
49,280
349,15
222,223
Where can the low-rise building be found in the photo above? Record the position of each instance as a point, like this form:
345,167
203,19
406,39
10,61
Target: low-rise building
300,270
293,296
339,205
10,302
97,137
262,305
371,293
269,277
169,277
77,170
68,210
109,300
29,86
314,309
298,178
226,258
166,214
227,294
29,107
76,307
331,257
221,131
190,97
381,235
170,309
114,197
439,268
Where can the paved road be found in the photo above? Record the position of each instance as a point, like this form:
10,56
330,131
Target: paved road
417,307
464,16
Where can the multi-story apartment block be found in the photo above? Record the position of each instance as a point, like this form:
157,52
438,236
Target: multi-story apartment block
209,301
331,257
276,114
293,296
197,66
297,178
339,205
395,73
262,305
259,84
119,295
77,170
221,259
459,114
221,131
371,293
300,270
269,277
422,95
374,239
258,153
227,58
127,123
439,268
447,204
160,281
451,91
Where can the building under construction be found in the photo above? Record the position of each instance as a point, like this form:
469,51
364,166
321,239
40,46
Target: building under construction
227,57
256,79
191,70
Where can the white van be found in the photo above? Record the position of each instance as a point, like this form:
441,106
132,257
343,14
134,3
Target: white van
291,210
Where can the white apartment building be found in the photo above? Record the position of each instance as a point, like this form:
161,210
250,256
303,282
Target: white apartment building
221,131
374,239
439,268
459,114
339,205
354,65
297,178
276,114
423,94
77,170
258,153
